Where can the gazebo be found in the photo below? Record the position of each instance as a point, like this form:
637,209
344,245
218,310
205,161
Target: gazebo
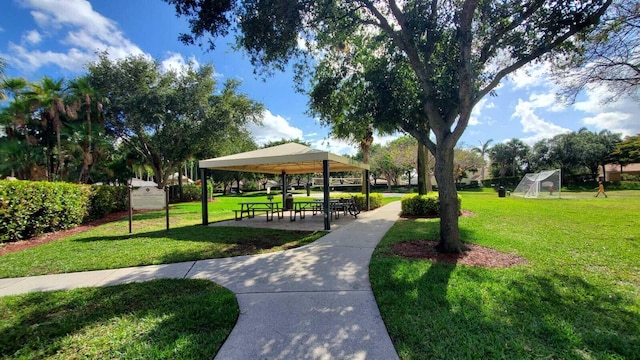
286,159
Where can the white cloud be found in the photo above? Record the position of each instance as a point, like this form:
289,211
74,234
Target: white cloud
548,101
273,128
335,146
533,74
532,123
477,111
385,139
32,37
79,27
176,62
72,60
621,116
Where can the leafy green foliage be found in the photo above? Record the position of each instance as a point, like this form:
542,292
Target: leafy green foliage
375,200
32,208
423,205
105,200
159,319
168,117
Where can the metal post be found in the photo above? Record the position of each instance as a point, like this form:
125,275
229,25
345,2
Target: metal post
284,190
205,197
166,204
130,208
325,183
367,192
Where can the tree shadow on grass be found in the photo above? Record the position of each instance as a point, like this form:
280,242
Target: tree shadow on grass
225,241
467,312
171,319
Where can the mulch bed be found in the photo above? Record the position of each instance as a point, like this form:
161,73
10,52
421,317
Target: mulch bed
49,237
476,255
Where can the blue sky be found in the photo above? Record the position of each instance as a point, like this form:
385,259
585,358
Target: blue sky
57,37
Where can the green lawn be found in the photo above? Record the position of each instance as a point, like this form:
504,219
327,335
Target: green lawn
111,246
160,319
577,298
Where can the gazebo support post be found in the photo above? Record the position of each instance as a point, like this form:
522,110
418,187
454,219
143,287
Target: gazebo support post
284,190
205,196
368,190
325,184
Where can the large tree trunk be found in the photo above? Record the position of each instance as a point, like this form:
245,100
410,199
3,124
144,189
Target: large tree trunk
449,231
423,169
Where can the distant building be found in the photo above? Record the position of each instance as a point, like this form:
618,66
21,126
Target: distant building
613,172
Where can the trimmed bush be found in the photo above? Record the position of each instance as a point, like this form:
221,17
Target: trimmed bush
423,205
31,208
105,200
191,193
375,200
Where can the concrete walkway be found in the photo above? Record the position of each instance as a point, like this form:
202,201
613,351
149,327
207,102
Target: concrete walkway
310,302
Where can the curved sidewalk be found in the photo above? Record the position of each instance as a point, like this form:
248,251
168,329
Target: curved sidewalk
310,302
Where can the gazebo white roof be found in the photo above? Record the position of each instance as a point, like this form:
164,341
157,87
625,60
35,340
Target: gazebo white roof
291,158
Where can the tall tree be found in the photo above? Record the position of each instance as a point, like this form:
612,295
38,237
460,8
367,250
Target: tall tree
466,160
627,151
82,95
48,99
3,65
167,117
459,51
404,152
483,150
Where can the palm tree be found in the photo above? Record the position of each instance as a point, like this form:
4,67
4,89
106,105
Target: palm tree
483,150
48,98
3,65
81,94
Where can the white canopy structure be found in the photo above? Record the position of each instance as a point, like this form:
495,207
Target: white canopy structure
135,182
291,158
174,179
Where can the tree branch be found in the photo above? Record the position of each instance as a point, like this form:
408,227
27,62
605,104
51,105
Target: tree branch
591,20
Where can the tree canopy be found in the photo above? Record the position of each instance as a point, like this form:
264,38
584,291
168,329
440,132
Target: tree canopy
167,117
457,51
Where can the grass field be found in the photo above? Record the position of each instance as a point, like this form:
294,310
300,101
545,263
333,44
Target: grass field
577,298
160,319
110,246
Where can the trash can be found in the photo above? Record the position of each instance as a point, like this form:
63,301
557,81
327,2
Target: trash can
288,202
501,191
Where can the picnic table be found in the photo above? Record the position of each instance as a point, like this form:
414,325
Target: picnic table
250,207
300,207
316,206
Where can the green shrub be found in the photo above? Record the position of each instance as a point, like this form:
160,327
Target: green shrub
30,208
191,192
423,205
105,200
375,200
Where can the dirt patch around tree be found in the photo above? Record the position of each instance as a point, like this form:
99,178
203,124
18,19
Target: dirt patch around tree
476,255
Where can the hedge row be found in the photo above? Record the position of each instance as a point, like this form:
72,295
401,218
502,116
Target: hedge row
375,200
105,200
424,205
30,208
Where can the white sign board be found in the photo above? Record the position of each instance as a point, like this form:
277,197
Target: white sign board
148,198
